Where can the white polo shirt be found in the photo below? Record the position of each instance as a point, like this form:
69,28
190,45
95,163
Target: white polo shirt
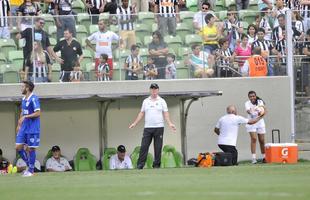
103,42
254,113
115,163
229,125
153,110
59,166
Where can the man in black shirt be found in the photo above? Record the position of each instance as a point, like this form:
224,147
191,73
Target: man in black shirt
70,49
39,35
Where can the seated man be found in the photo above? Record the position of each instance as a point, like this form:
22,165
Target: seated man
4,163
57,163
120,160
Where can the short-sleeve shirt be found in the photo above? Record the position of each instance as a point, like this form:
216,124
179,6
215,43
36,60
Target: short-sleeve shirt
29,106
153,110
147,68
115,163
103,42
133,62
159,46
39,35
28,10
59,166
37,68
229,126
254,113
69,53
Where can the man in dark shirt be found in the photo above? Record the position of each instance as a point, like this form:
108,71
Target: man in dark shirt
70,49
39,35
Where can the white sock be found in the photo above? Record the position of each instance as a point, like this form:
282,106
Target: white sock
263,155
253,156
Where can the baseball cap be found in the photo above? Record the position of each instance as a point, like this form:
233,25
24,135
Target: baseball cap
154,86
121,149
55,148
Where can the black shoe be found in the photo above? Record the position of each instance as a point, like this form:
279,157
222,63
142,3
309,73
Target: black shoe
139,167
264,160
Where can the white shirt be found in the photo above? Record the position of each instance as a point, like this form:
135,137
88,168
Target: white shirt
59,166
115,163
103,42
254,113
153,110
21,163
199,18
229,125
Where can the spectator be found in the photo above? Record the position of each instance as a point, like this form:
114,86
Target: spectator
266,23
126,17
280,69
50,6
242,4
231,26
39,35
171,70
298,31
252,33
277,33
150,70
227,130
158,49
256,23
94,8
167,16
57,163
28,9
141,5
14,5
225,59
70,50
305,64
4,163
22,166
278,10
120,160
110,6
155,109
66,20
38,65
256,65
103,39
76,75
5,20
133,64
201,62
103,68
265,4
243,50
210,35
199,18
303,8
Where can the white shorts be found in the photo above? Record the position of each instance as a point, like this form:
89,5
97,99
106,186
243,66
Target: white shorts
256,129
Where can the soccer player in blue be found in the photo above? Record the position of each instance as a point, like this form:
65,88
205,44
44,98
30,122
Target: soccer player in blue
28,128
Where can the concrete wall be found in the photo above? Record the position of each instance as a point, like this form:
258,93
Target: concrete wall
75,123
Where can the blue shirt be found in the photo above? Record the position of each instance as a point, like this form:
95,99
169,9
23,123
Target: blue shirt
29,106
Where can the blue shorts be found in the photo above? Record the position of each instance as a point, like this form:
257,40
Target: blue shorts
31,139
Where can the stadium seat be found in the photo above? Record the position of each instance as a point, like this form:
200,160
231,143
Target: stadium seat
105,16
229,3
114,28
183,52
52,31
245,25
55,72
174,42
81,32
247,15
11,77
16,59
144,52
108,152
90,73
87,58
2,59
84,19
219,5
253,5
187,17
223,15
146,18
147,40
139,42
154,27
183,73
170,158
121,54
135,156
48,155
49,20
142,30
93,28
182,30
193,8
53,42
192,39
78,6
7,45
84,160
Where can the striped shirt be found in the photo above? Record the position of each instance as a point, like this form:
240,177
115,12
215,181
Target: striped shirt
303,9
277,34
232,30
265,45
5,9
37,68
125,14
226,53
133,63
104,68
281,47
265,24
95,3
166,8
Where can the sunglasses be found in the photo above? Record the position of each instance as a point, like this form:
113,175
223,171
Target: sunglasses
205,8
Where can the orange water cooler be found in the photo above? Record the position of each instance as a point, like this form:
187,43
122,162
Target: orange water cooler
281,152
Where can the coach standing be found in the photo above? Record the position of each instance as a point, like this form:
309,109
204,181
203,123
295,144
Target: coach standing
155,110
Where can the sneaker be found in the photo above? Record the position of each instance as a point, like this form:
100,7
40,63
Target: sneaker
27,174
254,161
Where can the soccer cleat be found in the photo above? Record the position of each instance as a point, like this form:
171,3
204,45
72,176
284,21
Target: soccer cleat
254,161
27,174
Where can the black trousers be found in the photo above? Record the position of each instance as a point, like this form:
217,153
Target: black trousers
232,150
148,135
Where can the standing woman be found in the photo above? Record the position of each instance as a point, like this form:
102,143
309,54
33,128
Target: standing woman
26,12
258,129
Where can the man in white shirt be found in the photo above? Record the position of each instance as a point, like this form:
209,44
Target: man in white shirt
227,130
199,18
103,39
155,110
120,160
57,163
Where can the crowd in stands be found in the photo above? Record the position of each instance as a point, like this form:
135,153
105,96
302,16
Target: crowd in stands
204,38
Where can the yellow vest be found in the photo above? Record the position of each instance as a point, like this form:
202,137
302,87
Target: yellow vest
210,32
16,2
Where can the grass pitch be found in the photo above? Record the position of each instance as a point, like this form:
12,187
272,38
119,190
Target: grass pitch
264,181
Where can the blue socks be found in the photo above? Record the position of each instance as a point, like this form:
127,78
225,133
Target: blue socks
23,155
32,160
